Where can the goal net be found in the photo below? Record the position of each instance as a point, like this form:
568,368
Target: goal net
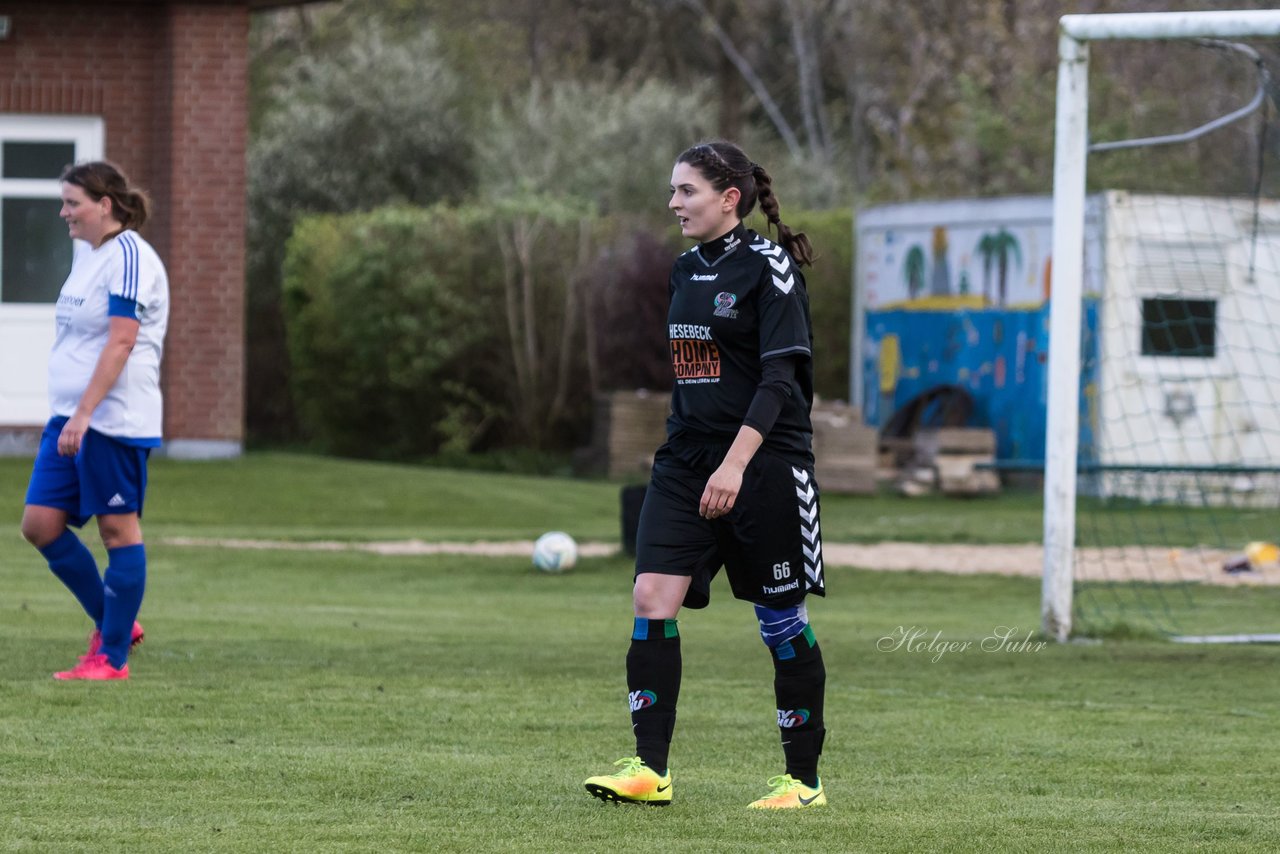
1163,455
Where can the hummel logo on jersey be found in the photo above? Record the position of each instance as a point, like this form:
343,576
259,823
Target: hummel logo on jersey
116,501
704,277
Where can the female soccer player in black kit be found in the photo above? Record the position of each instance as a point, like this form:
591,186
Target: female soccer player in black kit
733,485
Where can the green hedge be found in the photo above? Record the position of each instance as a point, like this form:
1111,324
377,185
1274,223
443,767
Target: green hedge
398,330
414,331
382,322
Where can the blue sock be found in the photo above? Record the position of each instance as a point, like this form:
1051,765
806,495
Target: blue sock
126,577
74,565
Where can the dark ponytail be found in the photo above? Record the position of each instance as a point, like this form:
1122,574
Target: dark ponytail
99,180
796,243
725,165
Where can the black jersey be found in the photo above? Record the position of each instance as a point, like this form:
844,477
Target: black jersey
727,317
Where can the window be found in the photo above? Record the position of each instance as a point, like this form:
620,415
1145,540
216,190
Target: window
1179,327
35,250
36,159
35,254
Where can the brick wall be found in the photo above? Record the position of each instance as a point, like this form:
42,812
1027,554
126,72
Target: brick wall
170,81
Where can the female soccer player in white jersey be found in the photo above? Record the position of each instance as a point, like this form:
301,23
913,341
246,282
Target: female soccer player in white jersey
104,393
733,485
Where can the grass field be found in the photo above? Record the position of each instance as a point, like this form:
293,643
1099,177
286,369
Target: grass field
291,701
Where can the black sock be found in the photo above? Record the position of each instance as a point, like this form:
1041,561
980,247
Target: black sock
653,687
799,683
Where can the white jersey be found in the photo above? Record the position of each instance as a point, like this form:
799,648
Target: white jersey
123,277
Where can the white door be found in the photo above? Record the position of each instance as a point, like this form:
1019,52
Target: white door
35,252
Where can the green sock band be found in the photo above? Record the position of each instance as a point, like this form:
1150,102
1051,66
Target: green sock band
646,629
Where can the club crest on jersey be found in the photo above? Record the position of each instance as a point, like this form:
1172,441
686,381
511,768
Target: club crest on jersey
725,302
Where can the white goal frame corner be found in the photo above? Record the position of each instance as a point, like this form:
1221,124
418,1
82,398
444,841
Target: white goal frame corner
1076,32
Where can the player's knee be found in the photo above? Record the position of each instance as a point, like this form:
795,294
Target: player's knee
779,625
119,530
41,530
31,532
657,596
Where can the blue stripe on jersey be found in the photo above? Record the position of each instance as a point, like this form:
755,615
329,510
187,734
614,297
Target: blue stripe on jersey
130,249
121,307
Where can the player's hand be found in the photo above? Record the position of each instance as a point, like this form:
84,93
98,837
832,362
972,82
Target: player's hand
721,492
72,435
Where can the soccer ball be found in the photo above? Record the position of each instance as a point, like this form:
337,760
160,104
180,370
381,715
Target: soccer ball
555,552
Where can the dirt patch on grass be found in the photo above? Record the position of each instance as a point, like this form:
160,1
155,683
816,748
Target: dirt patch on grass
505,548
1124,563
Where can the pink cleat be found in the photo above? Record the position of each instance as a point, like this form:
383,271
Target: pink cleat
94,667
95,639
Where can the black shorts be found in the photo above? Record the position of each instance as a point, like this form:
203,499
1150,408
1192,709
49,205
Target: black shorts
769,544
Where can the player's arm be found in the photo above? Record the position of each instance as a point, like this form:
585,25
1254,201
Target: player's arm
772,393
122,334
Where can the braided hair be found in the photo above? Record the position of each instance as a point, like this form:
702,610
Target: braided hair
725,165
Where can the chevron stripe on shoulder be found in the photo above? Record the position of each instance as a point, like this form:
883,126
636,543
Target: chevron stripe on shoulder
779,260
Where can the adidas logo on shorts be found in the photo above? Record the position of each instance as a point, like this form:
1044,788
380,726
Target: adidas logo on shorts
116,501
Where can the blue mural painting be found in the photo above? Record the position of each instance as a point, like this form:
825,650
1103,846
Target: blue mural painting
1000,356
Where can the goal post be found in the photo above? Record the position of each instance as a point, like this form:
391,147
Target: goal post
1071,148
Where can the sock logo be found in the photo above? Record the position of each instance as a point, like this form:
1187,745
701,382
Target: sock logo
641,700
788,719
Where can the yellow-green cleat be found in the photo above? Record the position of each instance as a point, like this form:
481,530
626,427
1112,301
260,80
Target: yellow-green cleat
790,794
636,783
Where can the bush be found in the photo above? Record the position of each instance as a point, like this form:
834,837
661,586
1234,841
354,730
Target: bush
629,313
385,340
379,121
453,329
414,331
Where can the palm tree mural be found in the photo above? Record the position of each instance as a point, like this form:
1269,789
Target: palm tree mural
913,271
940,284
995,250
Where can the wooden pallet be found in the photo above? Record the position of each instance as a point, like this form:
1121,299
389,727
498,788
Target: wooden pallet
845,450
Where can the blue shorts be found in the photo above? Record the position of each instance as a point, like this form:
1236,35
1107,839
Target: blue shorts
106,477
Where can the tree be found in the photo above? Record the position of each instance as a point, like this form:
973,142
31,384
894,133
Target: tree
543,370
604,146
564,154
377,119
